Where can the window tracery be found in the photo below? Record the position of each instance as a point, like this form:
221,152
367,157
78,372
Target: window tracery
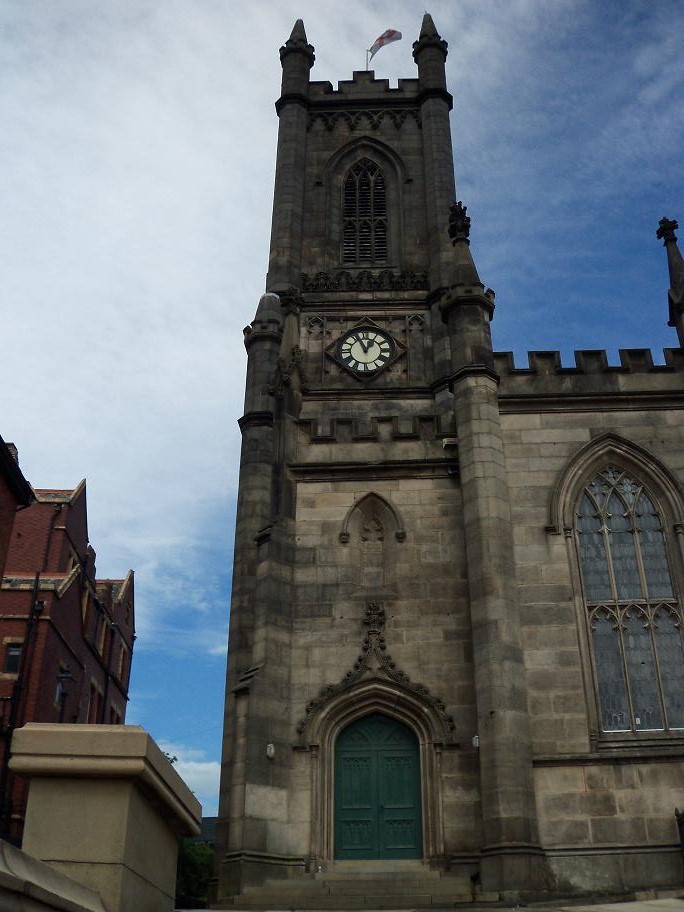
364,215
634,617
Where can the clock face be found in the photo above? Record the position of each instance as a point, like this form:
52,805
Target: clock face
365,350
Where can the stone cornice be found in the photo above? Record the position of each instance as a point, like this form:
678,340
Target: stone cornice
468,296
473,370
616,401
255,419
436,92
350,471
291,98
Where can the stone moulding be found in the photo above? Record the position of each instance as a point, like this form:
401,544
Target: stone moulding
374,647
365,280
364,118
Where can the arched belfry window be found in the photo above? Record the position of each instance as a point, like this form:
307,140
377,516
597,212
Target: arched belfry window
634,617
364,215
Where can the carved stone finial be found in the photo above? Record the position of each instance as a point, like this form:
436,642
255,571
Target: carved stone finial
429,37
297,43
374,617
666,230
459,223
427,29
675,264
374,650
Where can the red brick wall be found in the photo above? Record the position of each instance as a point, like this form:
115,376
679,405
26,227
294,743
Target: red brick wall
51,539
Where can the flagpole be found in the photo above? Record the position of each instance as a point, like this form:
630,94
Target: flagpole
367,52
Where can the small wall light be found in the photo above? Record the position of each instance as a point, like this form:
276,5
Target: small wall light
270,751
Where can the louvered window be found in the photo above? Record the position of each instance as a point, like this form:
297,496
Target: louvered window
635,620
364,214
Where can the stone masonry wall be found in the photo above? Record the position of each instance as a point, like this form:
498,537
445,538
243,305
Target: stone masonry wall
427,630
590,804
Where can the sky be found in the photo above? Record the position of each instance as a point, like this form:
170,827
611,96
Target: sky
137,151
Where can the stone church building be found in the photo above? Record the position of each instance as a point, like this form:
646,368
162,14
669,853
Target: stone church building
455,659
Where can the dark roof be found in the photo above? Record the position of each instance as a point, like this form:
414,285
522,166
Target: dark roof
10,471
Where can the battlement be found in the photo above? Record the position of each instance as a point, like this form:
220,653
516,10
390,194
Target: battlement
592,375
363,86
590,361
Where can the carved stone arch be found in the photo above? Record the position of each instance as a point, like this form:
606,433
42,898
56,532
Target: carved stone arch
394,172
599,453
374,695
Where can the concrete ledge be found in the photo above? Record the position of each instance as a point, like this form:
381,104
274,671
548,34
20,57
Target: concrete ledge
26,883
106,751
106,808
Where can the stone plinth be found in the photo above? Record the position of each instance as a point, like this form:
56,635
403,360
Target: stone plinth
105,808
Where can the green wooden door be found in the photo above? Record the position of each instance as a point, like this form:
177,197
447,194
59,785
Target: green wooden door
377,791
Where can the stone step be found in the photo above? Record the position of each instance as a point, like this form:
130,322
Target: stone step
443,886
374,867
308,895
400,885
366,876
356,901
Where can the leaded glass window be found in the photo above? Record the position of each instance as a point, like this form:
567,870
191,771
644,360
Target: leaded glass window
635,621
364,215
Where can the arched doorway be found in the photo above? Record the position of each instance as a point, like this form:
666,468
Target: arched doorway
377,790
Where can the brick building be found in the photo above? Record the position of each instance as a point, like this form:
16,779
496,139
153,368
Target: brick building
66,638
15,492
455,656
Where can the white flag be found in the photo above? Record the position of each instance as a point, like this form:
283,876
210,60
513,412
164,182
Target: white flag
386,38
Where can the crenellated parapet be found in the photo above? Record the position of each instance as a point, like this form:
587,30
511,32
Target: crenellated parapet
363,84
363,103
592,374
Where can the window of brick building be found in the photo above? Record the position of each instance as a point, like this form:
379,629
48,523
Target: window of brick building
122,668
94,703
634,616
12,658
114,716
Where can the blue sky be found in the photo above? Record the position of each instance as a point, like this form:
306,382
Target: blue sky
136,169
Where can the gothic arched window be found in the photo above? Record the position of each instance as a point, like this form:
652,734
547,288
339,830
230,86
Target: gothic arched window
364,215
635,620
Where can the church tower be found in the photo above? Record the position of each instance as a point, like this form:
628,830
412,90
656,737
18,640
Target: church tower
360,646
414,679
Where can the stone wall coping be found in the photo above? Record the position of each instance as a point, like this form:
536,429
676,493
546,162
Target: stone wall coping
68,751
21,875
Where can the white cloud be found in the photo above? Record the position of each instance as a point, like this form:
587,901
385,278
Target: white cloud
200,774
